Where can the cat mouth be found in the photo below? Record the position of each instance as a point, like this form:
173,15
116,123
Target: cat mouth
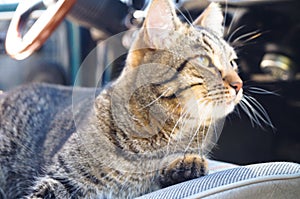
234,100
238,97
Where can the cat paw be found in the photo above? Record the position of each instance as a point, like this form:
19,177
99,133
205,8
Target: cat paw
182,169
47,188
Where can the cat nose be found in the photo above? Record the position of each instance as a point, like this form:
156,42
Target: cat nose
236,86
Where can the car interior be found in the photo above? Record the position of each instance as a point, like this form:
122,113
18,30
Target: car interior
88,47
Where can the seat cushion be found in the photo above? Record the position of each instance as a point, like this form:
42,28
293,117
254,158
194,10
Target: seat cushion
265,180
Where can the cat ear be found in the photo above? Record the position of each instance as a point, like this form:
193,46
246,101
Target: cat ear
160,21
211,18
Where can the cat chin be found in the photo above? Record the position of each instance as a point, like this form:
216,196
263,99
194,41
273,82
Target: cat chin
229,107
209,111
222,111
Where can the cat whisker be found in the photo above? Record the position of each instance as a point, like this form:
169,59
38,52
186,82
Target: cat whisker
151,103
249,34
214,124
249,105
182,119
182,115
208,138
253,37
189,15
234,33
257,90
187,20
192,138
246,110
202,141
199,142
260,108
185,122
225,16
174,128
232,22
202,119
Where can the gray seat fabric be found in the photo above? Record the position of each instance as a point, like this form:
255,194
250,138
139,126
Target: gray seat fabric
265,180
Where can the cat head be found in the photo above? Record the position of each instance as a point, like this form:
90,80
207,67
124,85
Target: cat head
204,63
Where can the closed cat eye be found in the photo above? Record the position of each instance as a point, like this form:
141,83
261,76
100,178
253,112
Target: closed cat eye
204,61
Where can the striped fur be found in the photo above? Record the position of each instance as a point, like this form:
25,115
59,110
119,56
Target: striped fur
145,131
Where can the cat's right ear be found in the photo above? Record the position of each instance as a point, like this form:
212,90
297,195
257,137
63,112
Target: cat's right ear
160,22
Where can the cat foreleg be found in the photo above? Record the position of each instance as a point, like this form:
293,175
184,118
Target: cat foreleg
48,188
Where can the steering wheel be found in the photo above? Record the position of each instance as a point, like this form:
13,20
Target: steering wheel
21,46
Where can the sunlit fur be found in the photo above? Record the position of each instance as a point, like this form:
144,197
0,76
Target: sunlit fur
203,86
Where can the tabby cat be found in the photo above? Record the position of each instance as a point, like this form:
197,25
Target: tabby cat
145,131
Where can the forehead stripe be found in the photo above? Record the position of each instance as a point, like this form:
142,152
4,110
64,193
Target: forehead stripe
180,68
